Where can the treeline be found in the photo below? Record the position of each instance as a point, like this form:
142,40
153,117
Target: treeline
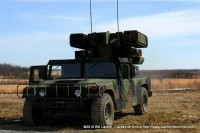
8,71
176,73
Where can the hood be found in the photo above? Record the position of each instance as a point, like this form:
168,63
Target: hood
60,81
106,83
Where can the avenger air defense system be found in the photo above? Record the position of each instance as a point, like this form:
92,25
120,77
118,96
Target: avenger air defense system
101,80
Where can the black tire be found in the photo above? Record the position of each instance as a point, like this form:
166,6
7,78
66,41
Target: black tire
32,116
102,111
142,107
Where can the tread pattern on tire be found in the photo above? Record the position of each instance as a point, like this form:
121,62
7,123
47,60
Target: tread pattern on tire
97,110
139,109
28,113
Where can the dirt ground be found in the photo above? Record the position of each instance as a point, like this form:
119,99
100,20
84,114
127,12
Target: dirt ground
173,112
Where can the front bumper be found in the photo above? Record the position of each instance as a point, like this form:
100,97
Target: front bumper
61,104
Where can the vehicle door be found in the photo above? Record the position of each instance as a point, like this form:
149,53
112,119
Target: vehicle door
126,93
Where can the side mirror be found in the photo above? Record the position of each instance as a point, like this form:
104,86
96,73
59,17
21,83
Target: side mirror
135,70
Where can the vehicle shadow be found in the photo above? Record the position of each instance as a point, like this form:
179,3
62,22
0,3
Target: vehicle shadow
119,115
53,124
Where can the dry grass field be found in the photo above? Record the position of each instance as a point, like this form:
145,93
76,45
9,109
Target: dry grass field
163,84
13,81
173,112
9,86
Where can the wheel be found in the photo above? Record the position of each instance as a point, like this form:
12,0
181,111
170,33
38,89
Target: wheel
32,116
102,111
142,107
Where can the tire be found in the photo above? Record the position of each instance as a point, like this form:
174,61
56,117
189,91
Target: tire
142,107
102,111
32,116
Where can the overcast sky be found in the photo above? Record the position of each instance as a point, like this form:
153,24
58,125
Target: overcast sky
34,31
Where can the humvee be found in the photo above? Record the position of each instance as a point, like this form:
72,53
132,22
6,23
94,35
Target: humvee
101,80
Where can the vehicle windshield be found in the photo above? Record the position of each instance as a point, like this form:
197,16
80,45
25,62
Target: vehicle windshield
87,70
100,70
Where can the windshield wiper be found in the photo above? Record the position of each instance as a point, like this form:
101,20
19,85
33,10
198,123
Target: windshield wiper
93,66
55,68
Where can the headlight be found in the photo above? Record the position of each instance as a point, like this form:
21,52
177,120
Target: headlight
42,93
77,93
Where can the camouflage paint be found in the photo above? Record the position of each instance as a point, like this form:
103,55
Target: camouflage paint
126,94
130,91
61,93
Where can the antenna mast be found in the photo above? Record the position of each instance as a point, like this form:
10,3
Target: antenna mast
118,17
91,15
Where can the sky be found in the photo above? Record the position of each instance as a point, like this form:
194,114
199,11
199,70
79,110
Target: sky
35,31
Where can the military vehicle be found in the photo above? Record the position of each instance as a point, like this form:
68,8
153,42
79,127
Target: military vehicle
101,80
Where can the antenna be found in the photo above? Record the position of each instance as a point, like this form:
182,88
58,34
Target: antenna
118,17
91,15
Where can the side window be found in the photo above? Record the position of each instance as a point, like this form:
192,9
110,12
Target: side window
125,71
36,75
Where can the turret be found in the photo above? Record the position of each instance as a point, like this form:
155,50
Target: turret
125,44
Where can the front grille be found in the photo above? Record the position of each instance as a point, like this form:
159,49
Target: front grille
61,91
64,90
